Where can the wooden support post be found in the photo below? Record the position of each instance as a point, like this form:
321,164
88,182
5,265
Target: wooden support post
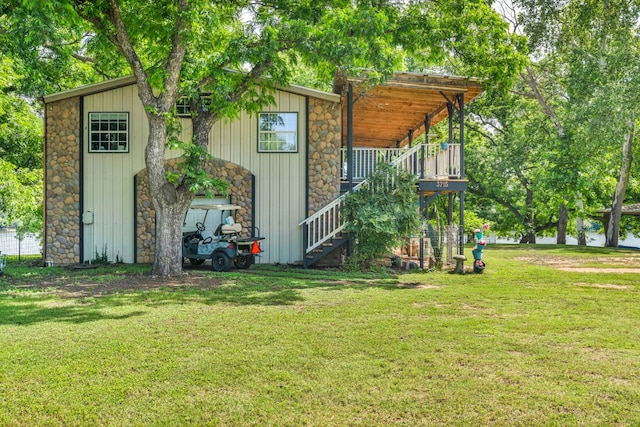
423,156
422,234
461,225
350,161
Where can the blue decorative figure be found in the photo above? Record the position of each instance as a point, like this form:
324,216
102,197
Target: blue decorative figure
478,264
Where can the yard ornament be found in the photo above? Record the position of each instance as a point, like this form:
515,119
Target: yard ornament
478,264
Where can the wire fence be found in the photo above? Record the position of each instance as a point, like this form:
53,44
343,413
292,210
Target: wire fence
12,243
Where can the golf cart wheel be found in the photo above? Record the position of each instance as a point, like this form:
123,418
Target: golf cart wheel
244,261
220,262
196,261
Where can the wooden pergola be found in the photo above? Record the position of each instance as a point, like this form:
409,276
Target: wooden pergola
403,108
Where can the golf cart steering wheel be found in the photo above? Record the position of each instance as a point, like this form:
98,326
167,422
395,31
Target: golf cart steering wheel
199,227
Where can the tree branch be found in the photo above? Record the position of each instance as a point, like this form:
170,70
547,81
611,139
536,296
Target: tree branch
175,59
123,42
489,123
483,133
530,79
82,58
481,190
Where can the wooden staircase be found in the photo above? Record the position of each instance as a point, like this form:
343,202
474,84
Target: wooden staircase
324,230
336,242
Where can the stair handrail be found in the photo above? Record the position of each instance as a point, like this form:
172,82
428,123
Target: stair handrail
335,224
415,166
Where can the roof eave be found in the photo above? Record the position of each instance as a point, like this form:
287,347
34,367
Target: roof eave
131,80
91,89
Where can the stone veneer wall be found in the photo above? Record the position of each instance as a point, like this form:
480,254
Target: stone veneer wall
324,152
62,182
240,191
325,135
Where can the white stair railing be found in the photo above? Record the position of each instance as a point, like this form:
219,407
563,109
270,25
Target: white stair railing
325,224
437,161
409,161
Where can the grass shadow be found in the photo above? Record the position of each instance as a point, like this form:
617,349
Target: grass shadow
254,289
23,312
83,296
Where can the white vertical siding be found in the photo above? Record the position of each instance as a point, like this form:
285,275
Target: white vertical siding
108,178
280,177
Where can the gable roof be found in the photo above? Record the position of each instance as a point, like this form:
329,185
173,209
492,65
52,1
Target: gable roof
119,82
383,115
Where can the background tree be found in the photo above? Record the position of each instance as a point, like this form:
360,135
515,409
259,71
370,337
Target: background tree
21,197
49,50
20,157
517,161
563,138
20,126
598,44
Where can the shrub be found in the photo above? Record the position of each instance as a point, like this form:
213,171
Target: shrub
382,213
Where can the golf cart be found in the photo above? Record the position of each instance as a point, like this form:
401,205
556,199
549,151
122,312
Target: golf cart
225,245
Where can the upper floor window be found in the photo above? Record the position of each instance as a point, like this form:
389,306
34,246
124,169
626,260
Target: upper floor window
108,132
278,133
183,107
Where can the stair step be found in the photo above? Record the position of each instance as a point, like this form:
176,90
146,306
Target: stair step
325,248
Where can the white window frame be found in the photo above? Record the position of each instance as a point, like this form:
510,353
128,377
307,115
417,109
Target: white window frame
289,130
109,132
183,105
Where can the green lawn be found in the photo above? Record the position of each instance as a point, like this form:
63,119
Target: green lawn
533,340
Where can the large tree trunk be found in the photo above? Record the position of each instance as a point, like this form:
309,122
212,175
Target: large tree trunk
613,230
563,220
169,219
170,203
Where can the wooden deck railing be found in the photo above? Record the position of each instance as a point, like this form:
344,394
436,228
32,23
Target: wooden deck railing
435,162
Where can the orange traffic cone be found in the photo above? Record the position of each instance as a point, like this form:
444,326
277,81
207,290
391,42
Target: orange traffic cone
255,248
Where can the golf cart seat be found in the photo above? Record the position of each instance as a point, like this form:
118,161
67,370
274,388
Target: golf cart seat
234,228
229,228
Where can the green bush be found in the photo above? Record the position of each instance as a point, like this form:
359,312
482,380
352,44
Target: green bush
382,213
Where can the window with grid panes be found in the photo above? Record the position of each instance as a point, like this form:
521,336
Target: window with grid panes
278,133
108,132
